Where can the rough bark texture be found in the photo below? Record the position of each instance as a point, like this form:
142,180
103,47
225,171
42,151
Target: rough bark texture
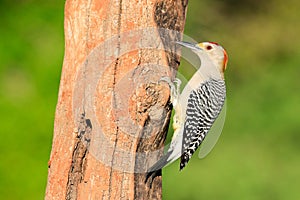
112,112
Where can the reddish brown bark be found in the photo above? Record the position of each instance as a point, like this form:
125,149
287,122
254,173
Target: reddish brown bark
112,112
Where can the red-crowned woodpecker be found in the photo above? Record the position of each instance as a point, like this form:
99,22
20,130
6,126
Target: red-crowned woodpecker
199,104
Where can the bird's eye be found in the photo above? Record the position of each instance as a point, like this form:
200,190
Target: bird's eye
209,47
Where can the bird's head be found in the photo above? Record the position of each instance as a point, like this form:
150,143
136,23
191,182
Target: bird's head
215,52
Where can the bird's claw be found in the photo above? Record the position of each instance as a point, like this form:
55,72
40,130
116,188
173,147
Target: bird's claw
166,79
175,88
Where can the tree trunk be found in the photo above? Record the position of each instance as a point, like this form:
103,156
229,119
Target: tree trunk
113,113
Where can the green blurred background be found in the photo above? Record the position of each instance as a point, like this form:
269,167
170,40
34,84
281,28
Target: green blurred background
257,156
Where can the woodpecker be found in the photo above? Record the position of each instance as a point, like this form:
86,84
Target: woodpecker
199,104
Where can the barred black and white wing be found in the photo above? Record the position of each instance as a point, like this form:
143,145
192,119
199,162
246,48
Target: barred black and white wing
204,106
213,135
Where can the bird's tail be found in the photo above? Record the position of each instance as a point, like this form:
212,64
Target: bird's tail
160,163
158,166
173,153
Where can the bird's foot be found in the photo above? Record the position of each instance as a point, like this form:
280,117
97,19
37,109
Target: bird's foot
174,87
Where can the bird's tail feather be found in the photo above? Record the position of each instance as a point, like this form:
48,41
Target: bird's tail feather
153,171
161,162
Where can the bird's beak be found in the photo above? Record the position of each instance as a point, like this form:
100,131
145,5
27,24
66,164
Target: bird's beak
189,45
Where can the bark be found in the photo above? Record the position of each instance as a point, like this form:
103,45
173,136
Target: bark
113,113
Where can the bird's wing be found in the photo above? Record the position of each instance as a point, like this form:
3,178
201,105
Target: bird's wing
204,106
213,135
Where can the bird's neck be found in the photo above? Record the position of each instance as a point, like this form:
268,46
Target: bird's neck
209,69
